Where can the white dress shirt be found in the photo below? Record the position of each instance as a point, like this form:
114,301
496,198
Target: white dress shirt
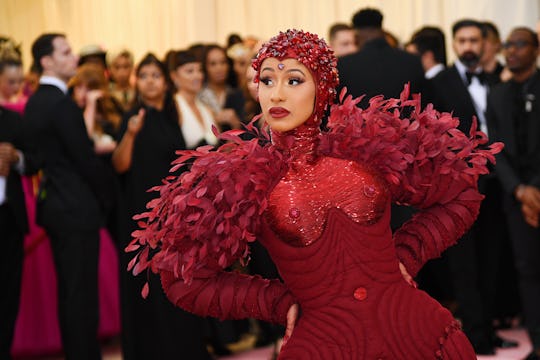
478,92
54,81
433,71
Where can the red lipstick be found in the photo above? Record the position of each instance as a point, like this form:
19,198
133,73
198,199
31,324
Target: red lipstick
278,112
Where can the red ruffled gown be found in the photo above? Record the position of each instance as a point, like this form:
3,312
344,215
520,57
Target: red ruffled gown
322,209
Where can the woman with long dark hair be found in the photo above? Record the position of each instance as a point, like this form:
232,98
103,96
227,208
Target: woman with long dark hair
149,136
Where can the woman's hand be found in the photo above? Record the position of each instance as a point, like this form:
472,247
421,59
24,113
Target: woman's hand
93,95
408,278
104,144
228,116
528,195
8,156
292,315
530,215
136,122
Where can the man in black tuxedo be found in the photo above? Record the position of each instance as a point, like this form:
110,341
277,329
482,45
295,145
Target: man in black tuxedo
13,224
513,114
379,69
462,89
71,194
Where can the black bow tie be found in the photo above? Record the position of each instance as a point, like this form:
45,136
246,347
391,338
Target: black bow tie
480,76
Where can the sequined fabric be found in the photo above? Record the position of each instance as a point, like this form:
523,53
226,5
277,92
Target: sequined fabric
299,204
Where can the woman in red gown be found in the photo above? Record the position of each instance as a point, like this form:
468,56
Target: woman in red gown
320,202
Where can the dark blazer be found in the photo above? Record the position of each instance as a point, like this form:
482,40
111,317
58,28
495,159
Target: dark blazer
379,69
448,93
11,131
73,190
502,109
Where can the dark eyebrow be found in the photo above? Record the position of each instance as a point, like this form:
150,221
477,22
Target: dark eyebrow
298,70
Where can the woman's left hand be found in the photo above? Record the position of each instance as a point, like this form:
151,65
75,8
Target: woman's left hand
408,278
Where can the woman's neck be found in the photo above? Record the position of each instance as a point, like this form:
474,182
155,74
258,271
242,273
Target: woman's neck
490,66
190,97
300,144
122,86
155,103
217,88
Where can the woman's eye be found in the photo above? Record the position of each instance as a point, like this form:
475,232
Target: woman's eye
266,81
295,81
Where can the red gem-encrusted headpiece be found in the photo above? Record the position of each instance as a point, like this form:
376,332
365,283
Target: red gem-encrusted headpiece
313,53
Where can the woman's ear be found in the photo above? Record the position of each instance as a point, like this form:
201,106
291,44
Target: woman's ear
174,78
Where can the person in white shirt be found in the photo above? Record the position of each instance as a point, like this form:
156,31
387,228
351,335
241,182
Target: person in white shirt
196,118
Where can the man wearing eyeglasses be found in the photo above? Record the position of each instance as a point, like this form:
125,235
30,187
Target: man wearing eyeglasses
462,89
513,115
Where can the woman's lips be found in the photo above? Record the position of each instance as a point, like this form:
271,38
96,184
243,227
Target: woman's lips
278,112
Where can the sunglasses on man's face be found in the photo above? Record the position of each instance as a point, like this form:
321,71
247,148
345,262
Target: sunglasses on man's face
518,44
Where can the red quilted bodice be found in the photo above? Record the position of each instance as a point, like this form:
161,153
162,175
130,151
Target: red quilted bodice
299,204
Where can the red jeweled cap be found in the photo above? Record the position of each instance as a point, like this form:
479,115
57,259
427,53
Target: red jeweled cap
313,53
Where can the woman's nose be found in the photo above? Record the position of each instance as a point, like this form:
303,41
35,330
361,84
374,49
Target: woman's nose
277,93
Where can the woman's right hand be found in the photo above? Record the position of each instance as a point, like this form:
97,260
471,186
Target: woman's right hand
136,122
292,315
530,215
93,95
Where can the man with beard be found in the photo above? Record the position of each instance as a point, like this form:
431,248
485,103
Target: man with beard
513,114
462,89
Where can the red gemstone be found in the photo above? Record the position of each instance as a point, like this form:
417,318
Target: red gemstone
294,213
360,293
369,190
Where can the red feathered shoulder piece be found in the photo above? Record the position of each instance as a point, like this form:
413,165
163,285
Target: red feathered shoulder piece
205,217
421,154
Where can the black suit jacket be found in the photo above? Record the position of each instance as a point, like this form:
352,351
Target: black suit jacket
11,131
448,93
73,190
501,115
379,69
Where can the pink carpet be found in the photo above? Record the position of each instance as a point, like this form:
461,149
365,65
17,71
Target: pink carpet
112,352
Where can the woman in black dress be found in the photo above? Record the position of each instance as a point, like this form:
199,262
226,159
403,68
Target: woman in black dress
150,134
